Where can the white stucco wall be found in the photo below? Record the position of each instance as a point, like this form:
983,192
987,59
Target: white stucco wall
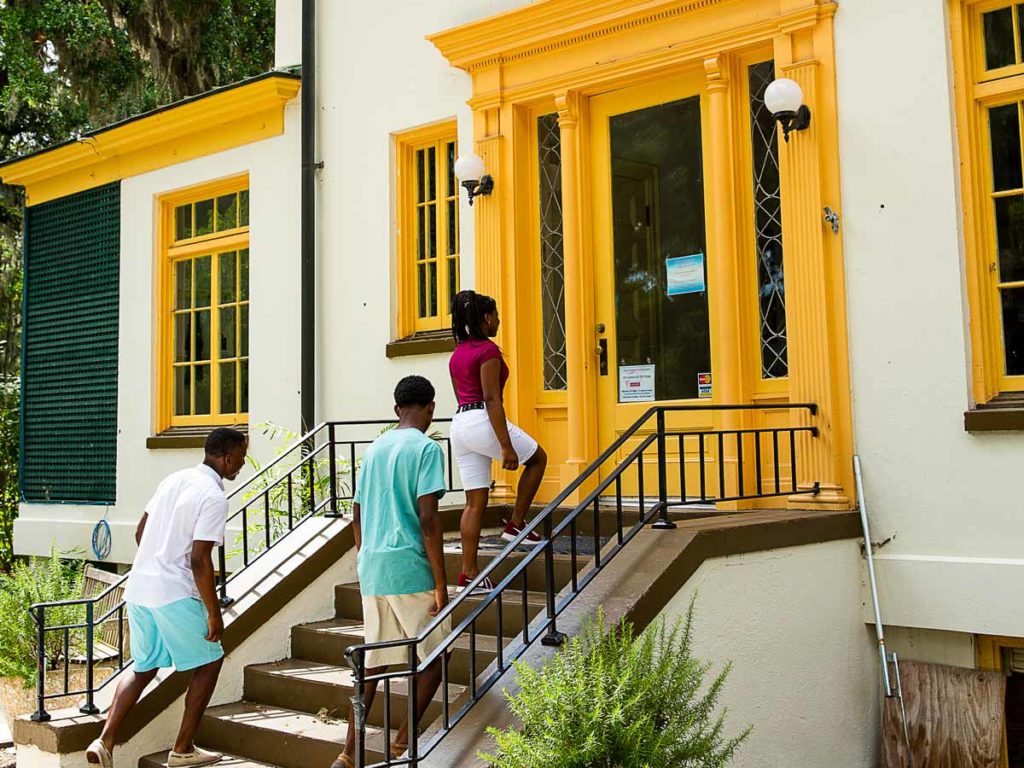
378,75
804,673
950,499
272,165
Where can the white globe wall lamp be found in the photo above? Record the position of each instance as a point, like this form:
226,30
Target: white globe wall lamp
785,99
470,171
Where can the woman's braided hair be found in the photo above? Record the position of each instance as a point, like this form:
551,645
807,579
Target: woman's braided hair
468,311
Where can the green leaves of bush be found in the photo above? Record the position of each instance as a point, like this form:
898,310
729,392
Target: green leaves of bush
614,700
38,580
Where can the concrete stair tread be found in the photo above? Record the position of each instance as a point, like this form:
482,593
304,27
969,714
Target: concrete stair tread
330,674
159,760
353,629
292,731
511,593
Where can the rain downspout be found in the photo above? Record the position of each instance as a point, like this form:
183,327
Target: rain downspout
308,217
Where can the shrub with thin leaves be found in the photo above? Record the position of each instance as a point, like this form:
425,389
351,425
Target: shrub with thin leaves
611,699
38,580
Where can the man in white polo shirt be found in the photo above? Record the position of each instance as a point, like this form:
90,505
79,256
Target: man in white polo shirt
171,597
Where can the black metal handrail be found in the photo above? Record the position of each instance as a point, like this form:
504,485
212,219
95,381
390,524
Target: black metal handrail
281,496
746,482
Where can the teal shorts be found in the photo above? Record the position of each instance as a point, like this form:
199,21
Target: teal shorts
172,635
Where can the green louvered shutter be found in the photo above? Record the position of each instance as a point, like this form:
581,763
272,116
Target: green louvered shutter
69,381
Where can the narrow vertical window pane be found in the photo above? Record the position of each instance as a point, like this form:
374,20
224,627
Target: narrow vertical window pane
1013,330
202,281
227,263
1010,238
243,380
243,330
202,340
421,282
432,173
421,234
432,289
1004,129
453,283
183,222
202,373
183,284
552,260
227,212
243,274
204,217
450,150
183,337
771,286
431,214
421,176
453,229
228,387
243,208
228,332
998,29
183,390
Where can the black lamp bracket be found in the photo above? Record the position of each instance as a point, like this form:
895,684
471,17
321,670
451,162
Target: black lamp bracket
794,121
482,187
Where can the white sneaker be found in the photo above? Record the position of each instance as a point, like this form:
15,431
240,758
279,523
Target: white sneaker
196,757
98,754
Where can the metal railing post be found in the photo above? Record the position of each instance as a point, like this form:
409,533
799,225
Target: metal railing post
663,523
413,735
553,636
89,708
41,715
359,709
332,468
222,563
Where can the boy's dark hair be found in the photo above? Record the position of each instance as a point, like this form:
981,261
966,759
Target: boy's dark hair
414,390
222,440
468,310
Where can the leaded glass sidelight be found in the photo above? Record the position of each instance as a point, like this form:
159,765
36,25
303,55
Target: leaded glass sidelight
552,260
771,284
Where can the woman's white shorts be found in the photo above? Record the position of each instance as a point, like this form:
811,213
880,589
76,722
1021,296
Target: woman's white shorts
475,447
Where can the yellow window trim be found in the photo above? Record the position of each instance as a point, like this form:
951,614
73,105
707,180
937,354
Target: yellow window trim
975,91
213,122
167,253
406,145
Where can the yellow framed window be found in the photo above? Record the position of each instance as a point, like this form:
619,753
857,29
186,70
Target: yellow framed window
428,227
204,309
989,62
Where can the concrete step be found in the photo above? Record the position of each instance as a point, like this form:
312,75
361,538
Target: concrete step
159,760
348,605
325,642
306,686
491,547
279,736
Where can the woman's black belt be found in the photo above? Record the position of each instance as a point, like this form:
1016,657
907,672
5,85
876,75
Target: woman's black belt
471,407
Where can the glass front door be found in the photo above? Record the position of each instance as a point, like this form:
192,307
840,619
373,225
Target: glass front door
651,260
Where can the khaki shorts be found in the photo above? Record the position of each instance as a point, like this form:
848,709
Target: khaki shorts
396,617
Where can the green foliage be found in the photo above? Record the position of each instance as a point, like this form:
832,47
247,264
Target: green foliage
37,580
614,700
9,431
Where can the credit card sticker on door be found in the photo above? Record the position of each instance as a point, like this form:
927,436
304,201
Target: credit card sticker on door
704,385
636,383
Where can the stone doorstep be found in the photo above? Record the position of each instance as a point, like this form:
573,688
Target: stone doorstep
635,586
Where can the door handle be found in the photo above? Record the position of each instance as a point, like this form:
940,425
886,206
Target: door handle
602,355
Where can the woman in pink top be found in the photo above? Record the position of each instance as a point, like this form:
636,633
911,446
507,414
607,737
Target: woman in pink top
480,432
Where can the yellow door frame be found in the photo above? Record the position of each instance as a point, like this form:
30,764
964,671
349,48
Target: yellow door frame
563,52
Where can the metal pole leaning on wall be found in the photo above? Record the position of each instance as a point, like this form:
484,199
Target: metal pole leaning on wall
879,633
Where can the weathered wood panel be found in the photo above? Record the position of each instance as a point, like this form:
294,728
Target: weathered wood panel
955,717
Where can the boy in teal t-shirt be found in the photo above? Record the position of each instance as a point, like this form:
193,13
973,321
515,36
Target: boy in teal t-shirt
400,548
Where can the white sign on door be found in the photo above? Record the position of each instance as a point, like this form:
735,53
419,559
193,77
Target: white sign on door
636,383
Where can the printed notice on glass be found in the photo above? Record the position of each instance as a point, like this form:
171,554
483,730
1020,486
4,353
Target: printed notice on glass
684,274
636,383
704,385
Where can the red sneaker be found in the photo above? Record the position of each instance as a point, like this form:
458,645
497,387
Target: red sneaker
512,532
482,588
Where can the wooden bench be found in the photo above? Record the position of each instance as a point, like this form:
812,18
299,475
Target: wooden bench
106,634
